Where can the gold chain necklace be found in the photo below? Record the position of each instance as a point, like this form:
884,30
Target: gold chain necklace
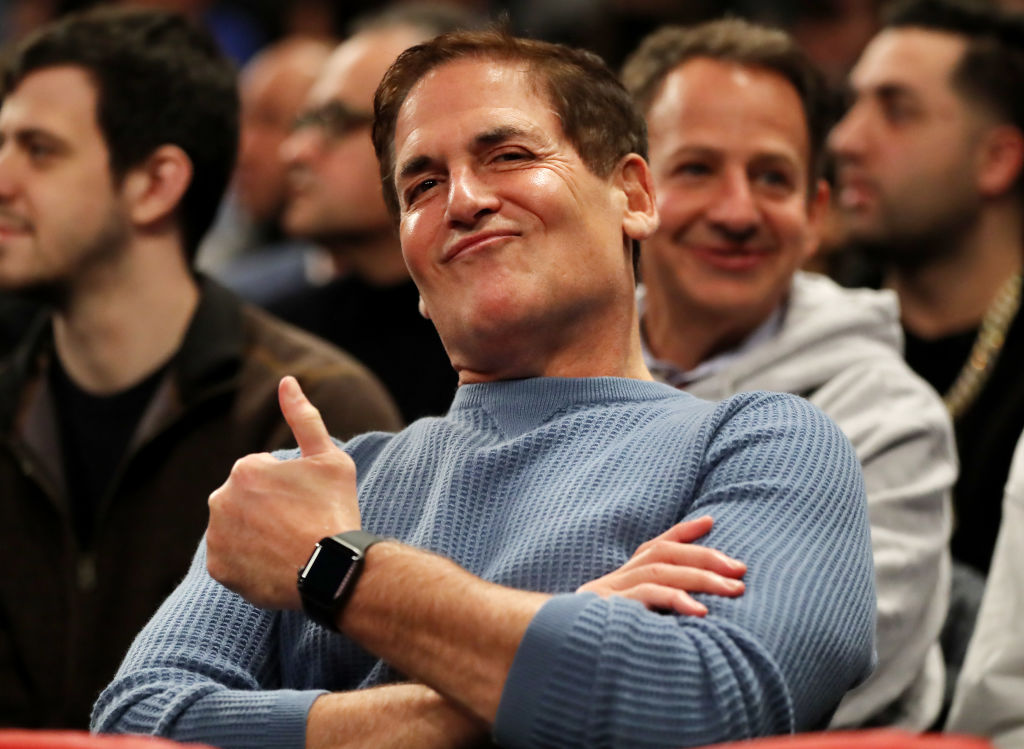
987,347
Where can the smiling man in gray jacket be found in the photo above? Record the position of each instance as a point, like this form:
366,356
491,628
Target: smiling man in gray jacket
736,121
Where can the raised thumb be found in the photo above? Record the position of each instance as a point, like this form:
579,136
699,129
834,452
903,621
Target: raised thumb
303,418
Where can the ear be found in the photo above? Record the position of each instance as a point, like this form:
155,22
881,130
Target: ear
154,189
633,177
422,306
818,207
1000,159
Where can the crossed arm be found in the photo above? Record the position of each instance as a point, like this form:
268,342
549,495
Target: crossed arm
452,630
446,629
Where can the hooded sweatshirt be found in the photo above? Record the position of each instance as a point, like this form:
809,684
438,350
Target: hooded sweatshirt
842,350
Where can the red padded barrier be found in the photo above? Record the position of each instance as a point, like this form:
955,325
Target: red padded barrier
868,739
19,739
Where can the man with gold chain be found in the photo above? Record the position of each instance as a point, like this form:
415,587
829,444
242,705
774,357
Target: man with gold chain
929,183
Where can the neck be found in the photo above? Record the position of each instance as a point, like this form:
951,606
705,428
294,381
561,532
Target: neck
125,319
605,347
374,258
954,293
686,335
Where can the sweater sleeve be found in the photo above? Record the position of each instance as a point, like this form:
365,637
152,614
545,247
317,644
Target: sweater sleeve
205,669
785,489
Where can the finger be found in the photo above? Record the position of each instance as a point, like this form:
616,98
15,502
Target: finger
684,532
303,418
680,578
689,531
663,598
690,555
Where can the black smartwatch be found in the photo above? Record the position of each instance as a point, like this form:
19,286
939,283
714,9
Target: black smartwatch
331,573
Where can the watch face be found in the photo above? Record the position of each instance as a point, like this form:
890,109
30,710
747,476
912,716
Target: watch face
327,571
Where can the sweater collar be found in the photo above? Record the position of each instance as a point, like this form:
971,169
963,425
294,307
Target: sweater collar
518,406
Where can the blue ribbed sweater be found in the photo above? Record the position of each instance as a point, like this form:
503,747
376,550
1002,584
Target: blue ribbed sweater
542,485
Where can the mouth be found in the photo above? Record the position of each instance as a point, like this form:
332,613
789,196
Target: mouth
483,240
13,226
855,191
731,258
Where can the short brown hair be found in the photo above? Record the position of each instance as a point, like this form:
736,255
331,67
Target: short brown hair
596,112
737,41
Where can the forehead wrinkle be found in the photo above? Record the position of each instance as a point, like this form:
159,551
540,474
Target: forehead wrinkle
486,139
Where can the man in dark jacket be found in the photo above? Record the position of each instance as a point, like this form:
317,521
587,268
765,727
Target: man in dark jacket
124,405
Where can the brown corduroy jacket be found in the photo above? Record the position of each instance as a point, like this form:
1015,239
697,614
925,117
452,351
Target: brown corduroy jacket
67,614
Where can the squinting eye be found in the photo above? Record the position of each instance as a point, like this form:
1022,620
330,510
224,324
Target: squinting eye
510,156
419,188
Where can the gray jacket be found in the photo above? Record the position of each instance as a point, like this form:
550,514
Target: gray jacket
842,350
989,698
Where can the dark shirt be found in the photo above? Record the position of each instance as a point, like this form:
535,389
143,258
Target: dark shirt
382,328
939,360
16,318
986,433
94,432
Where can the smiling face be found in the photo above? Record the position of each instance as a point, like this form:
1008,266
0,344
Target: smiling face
729,155
60,213
518,249
906,149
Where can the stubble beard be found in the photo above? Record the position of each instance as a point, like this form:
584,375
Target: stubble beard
58,288
904,246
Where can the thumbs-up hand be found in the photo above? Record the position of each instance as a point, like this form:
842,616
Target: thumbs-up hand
268,515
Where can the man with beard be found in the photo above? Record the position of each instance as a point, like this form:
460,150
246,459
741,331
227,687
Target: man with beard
929,182
123,409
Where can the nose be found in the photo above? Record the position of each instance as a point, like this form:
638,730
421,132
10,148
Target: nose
847,138
7,177
734,209
301,146
470,197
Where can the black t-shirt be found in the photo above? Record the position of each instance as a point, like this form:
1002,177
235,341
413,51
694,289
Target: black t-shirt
986,433
94,433
939,361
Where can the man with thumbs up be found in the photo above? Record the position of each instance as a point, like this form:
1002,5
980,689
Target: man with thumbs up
447,566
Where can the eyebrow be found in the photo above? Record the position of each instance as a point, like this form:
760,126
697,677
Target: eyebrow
488,138
498,135
22,134
415,166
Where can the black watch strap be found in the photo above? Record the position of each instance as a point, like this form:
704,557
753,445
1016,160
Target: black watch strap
327,580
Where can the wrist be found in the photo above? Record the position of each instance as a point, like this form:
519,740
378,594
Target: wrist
330,575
